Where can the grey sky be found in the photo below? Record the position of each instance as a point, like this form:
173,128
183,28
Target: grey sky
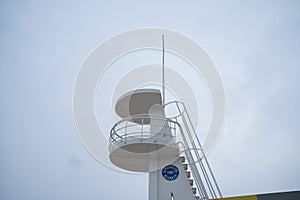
255,45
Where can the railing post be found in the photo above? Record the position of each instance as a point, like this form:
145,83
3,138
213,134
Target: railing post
142,130
126,124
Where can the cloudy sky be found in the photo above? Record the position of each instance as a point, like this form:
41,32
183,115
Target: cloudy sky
254,44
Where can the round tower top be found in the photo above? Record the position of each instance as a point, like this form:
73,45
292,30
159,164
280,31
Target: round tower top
138,102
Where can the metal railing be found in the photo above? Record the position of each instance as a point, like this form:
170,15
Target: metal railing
144,127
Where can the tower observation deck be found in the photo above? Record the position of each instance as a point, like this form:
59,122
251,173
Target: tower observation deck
167,147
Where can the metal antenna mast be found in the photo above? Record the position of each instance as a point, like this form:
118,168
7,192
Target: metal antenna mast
163,69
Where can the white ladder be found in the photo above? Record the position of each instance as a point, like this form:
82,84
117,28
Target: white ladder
205,181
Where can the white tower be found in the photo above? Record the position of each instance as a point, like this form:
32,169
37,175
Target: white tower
147,140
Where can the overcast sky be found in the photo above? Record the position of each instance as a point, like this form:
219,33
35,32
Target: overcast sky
254,44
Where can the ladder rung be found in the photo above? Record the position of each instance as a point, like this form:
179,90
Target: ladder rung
188,174
185,166
194,190
182,159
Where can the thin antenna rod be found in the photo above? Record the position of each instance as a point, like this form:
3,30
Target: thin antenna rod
163,69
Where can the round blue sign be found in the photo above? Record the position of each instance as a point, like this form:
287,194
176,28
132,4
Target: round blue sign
170,172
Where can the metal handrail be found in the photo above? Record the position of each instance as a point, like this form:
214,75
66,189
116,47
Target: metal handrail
177,103
120,130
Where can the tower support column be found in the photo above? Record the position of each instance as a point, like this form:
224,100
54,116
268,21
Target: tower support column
170,182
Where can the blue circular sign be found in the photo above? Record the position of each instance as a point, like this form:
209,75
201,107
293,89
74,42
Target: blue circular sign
170,172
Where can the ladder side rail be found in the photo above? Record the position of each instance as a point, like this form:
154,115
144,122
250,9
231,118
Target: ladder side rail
198,158
202,191
204,156
191,162
206,176
209,183
196,175
194,170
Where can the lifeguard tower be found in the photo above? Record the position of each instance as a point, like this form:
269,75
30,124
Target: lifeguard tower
147,140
